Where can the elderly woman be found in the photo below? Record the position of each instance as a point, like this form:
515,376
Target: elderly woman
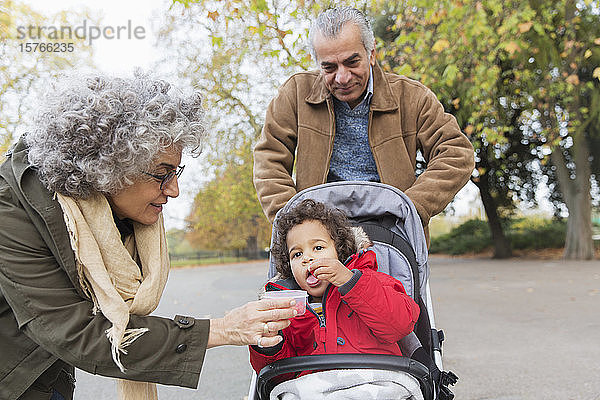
83,257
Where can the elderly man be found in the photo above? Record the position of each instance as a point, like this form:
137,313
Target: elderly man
351,121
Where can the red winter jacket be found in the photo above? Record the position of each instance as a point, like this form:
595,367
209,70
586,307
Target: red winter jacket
369,318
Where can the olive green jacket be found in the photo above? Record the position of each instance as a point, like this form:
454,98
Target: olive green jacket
404,117
44,315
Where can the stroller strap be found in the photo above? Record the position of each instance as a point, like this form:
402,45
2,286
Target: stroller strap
381,234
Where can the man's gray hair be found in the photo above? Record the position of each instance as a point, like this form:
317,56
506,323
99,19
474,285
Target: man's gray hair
99,134
330,23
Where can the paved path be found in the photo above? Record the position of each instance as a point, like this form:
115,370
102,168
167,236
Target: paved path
516,330
520,329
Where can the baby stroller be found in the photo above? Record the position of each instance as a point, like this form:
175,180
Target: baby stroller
391,221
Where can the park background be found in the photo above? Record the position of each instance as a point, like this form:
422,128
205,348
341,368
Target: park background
521,77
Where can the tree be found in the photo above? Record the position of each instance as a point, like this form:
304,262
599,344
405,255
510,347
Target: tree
463,52
25,74
521,79
476,56
224,212
241,35
563,55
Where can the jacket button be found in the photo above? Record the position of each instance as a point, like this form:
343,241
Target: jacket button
184,322
181,348
341,341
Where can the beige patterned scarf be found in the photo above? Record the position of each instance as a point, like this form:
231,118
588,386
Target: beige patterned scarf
113,280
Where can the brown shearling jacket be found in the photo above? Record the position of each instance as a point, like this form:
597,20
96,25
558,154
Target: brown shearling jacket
404,117
46,321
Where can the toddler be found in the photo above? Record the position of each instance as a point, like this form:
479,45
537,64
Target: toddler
351,308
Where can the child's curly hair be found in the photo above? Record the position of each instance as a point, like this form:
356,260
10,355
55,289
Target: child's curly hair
334,220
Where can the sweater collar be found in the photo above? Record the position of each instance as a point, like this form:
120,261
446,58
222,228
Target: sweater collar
383,98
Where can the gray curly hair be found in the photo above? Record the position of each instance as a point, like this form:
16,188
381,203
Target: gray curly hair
330,23
98,133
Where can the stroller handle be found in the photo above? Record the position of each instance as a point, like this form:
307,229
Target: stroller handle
266,377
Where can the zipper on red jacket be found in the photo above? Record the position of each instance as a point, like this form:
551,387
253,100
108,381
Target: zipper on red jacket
322,318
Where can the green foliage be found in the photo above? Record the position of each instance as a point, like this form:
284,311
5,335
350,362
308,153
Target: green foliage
226,213
474,236
536,233
464,52
178,243
522,78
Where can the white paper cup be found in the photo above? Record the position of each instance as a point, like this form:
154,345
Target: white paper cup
298,295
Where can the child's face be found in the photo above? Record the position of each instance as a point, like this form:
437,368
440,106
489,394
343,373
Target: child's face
308,241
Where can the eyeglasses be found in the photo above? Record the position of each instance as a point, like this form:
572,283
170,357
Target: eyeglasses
166,178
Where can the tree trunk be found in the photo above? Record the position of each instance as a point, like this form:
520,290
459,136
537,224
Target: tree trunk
578,242
575,182
252,250
502,248
577,195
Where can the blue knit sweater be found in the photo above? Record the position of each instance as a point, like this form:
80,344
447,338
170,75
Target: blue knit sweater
352,159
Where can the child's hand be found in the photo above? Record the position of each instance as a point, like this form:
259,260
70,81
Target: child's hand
330,270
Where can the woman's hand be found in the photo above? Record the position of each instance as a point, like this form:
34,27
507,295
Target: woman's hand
254,321
330,270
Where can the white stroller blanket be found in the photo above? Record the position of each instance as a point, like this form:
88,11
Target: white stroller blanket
350,384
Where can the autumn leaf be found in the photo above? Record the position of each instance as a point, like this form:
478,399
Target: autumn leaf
573,79
596,73
440,45
469,130
437,17
597,41
512,47
216,41
588,53
525,26
213,15
5,25
456,103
